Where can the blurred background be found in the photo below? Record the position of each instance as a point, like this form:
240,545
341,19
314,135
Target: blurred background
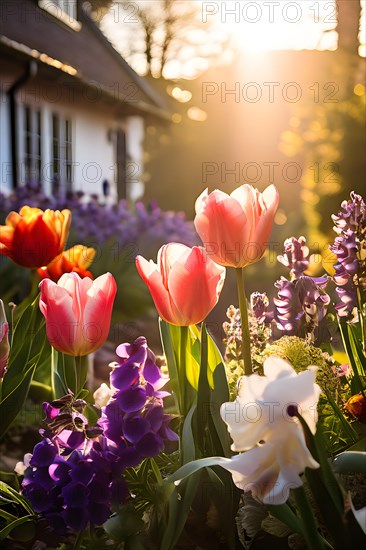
192,94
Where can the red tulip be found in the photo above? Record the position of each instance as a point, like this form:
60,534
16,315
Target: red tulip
77,312
33,238
77,259
235,228
185,284
4,340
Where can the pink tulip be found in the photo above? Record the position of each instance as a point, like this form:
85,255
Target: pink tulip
185,284
4,340
235,228
77,312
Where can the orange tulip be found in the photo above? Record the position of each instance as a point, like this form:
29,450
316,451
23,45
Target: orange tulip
235,228
33,238
185,284
77,259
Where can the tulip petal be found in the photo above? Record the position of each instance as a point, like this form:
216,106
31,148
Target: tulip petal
152,277
208,280
223,228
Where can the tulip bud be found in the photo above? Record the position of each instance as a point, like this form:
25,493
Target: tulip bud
235,228
77,312
356,405
185,284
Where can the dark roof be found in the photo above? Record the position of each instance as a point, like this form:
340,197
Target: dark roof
85,54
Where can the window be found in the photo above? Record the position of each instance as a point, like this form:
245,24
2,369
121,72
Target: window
32,145
62,175
64,10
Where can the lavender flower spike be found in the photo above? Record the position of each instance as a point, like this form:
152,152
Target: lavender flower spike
295,256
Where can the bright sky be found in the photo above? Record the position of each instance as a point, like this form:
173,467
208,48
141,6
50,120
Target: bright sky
248,26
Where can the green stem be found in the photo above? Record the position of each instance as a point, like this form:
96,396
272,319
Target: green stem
182,368
362,319
79,540
54,361
311,534
247,358
77,373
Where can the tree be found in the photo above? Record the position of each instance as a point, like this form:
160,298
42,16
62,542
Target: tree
153,35
348,25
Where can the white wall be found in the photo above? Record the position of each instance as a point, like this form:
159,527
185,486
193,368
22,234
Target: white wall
5,150
94,149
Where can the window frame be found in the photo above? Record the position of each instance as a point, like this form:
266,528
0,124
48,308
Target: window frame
32,150
62,153
56,8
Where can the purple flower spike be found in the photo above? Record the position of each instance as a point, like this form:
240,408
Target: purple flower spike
304,297
43,454
131,400
74,475
75,495
350,248
295,256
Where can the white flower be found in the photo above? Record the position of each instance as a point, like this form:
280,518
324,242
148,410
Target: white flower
102,395
20,467
263,420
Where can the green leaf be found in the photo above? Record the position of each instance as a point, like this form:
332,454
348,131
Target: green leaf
125,524
188,447
217,427
180,503
350,461
356,348
17,498
11,526
196,465
283,513
11,405
203,395
192,366
345,425
349,345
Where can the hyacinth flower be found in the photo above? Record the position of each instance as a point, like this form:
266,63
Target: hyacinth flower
134,421
301,302
295,256
74,477
350,250
33,238
303,299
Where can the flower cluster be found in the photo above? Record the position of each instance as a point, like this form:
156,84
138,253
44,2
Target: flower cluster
295,256
74,476
350,249
134,421
302,302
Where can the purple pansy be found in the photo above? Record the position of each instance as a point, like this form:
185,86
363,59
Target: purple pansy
75,474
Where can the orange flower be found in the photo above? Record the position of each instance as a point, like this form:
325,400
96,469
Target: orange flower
76,259
356,405
33,238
